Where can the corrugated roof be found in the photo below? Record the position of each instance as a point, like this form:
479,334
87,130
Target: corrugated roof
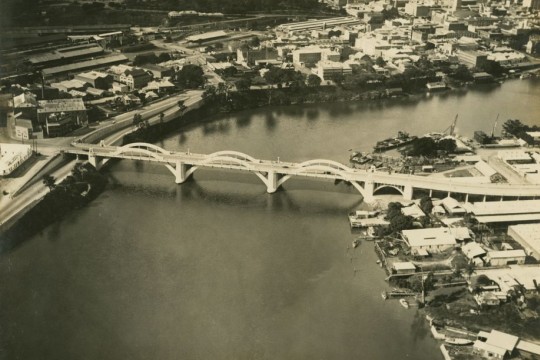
506,254
502,340
85,65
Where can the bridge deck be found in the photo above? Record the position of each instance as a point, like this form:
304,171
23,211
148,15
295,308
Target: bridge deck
315,169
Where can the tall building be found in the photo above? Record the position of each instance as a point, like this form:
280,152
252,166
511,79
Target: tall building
456,5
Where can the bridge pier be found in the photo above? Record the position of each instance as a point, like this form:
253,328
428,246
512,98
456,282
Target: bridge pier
180,172
408,192
95,161
369,189
272,182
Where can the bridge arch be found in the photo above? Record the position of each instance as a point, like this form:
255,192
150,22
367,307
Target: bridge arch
235,154
146,146
389,186
327,167
144,149
325,162
229,157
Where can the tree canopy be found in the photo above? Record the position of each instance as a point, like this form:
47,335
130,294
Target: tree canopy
190,76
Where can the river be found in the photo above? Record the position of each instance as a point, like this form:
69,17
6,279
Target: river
218,269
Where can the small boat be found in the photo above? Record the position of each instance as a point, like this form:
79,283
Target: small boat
378,261
457,341
404,303
525,76
384,295
355,243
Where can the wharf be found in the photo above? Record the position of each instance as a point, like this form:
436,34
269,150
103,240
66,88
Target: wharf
365,223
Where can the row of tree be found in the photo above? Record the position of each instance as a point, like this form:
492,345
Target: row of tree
151,58
429,147
516,128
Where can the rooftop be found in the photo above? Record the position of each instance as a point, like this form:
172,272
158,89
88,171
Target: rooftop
207,36
490,348
59,105
502,340
404,266
65,53
504,207
427,237
104,61
506,254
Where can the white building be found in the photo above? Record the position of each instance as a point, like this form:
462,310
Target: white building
328,70
430,240
495,345
510,257
12,156
528,235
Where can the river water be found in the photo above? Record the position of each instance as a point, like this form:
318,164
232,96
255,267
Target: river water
218,269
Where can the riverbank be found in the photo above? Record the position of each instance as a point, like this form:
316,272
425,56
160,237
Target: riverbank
75,191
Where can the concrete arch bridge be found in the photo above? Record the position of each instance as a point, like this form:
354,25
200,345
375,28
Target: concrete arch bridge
275,173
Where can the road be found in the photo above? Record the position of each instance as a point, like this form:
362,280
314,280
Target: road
110,132
10,207
314,168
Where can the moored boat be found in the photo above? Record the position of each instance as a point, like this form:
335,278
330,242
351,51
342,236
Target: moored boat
404,303
402,139
355,243
457,341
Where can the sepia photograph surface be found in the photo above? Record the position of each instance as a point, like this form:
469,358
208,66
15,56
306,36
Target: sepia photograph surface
266,179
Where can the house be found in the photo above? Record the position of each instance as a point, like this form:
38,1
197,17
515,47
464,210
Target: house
461,233
495,345
135,78
403,268
414,211
159,72
431,240
452,206
473,250
159,86
509,257
96,79
487,299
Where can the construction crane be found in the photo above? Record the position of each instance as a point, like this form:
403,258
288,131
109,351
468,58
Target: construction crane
452,128
494,126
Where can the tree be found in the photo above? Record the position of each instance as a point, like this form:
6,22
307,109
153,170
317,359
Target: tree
338,79
426,205
447,145
255,42
380,61
394,209
137,119
181,105
49,181
313,80
190,76
424,146
243,84
163,57
514,127
463,73
401,222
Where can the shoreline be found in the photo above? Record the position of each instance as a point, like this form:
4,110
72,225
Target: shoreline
209,112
